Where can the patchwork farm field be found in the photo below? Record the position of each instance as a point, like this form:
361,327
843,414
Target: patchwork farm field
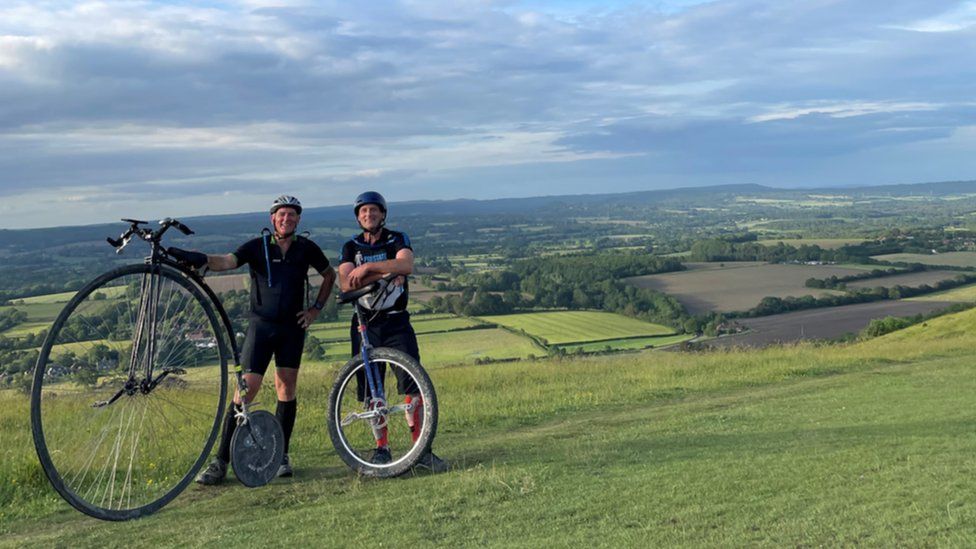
949,259
439,347
738,286
827,323
561,327
422,324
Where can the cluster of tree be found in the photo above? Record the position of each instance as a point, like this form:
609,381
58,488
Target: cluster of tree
925,240
10,318
570,282
723,249
834,282
16,367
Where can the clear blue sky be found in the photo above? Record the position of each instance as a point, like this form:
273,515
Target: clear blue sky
152,109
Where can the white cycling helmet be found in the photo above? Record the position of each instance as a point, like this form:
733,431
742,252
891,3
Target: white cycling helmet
286,200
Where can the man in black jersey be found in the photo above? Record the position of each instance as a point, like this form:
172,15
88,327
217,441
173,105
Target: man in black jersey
366,258
278,265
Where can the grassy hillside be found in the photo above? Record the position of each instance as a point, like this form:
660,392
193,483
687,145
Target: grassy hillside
869,444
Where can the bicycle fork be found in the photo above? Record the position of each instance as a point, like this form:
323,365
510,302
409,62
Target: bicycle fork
375,402
142,354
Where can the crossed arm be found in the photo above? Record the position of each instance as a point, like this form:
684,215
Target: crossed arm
352,277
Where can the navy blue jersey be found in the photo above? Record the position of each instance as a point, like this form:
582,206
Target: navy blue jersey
357,251
284,297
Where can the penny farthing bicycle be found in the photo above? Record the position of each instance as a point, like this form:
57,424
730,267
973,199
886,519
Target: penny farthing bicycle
130,388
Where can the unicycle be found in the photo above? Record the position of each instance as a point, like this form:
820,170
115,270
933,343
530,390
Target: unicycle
380,394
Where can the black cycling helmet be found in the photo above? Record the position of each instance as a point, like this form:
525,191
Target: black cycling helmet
286,200
369,197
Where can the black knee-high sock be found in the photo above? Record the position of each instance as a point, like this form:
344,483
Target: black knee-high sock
230,425
286,412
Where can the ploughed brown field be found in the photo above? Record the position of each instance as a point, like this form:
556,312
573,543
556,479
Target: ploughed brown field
738,285
826,323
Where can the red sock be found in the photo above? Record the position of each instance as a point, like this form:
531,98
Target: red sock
415,418
383,440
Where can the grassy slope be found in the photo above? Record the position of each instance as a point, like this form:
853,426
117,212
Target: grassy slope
870,444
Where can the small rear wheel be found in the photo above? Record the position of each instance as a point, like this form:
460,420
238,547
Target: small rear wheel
257,448
409,416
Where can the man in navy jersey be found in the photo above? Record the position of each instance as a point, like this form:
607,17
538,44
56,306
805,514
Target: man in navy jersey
278,265
376,252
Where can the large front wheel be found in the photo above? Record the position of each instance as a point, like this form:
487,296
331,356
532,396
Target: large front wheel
406,421
129,390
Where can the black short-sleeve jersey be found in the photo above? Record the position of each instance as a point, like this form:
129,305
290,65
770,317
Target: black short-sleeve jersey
357,251
280,296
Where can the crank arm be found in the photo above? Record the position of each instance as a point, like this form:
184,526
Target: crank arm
401,408
364,416
152,384
104,403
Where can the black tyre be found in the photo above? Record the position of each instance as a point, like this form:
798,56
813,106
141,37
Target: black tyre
115,442
352,423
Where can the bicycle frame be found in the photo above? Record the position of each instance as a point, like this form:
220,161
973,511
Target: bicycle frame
376,389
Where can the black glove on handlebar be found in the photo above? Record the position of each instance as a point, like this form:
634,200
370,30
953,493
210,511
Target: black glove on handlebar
193,259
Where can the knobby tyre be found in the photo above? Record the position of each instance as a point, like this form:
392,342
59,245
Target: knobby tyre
125,458
354,439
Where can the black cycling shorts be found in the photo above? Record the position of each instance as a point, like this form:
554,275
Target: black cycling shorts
393,331
265,339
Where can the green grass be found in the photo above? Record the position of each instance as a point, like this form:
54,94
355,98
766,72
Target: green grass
962,294
26,328
38,312
62,297
627,344
464,347
559,327
866,444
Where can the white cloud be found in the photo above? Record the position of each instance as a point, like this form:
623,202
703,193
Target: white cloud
957,18
840,110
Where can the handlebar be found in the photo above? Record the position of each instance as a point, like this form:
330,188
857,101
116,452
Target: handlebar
146,233
353,295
